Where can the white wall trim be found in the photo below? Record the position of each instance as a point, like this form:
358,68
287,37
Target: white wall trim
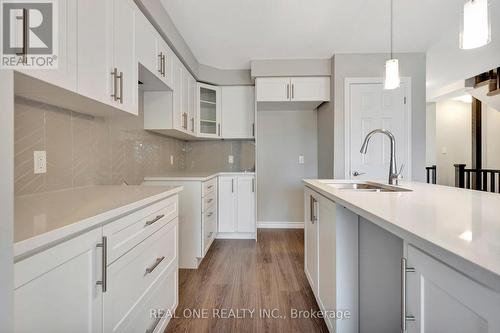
279,225
347,120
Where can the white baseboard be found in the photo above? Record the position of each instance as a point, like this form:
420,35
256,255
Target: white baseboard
280,225
235,235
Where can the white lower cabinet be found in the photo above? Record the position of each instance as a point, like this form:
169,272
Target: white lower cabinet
443,300
76,286
236,206
55,290
311,239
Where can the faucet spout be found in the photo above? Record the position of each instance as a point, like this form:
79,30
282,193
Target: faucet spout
393,173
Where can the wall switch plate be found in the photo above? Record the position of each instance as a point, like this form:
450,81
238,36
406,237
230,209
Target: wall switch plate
40,161
301,159
171,159
230,159
444,150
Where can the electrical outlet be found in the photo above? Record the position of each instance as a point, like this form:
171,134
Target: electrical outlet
40,161
301,159
171,159
230,159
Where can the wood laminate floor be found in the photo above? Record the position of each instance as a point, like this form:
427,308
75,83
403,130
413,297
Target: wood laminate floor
243,276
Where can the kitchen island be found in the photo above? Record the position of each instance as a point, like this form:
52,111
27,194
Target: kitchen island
426,259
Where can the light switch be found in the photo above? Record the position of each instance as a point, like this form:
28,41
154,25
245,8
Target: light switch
444,151
301,159
171,159
230,159
40,161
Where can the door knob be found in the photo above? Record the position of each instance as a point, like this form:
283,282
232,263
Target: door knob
357,173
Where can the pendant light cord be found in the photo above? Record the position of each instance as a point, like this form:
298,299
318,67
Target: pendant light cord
392,5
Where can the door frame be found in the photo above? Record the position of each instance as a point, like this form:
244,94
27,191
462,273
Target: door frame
347,120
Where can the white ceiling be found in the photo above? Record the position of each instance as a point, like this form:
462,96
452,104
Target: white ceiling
227,34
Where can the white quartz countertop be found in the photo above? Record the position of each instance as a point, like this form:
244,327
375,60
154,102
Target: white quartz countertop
40,219
194,175
462,222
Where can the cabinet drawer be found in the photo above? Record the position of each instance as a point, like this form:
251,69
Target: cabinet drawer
153,314
132,276
209,224
208,201
130,230
209,186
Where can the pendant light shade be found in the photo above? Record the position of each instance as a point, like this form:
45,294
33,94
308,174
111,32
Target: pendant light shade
392,79
475,24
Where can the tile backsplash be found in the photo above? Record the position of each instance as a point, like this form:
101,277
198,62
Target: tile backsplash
85,150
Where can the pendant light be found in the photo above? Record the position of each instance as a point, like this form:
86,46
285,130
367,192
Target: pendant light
475,24
392,79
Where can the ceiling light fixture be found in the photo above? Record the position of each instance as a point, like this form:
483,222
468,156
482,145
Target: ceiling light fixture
475,24
392,79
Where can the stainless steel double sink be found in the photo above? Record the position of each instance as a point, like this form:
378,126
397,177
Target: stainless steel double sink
364,186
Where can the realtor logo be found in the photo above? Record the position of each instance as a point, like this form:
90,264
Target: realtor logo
29,34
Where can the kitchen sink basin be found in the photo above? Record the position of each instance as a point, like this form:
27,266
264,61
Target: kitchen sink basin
366,187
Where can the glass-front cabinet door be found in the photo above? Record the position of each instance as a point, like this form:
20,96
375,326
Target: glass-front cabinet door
208,111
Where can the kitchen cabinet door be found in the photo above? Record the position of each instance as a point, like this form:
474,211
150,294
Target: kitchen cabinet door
208,111
192,105
305,89
186,87
238,112
227,203
165,58
327,283
65,76
95,50
311,239
147,48
274,89
179,119
444,300
124,55
245,204
56,290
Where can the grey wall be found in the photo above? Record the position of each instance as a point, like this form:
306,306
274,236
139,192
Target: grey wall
326,131
372,65
290,67
283,136
6,200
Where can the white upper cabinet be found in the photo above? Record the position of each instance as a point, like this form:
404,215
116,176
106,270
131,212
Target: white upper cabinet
208,111
165,60
146,42
238,112
107,66
273,89
65,74
295,89
191,104
310,89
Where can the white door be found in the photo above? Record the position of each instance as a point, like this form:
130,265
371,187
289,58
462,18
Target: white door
238,112
311,239
443,300
246,204
124,54
310,89
276,89
95,49
56,291
65,74
369,107
327,284
227,203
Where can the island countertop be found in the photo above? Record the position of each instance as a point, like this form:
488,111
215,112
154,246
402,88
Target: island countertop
40,219
462,222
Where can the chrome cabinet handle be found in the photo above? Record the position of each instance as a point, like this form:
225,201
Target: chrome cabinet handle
114,73
153,327
293,94
218,126
160,63
232,185
288,91
163,65
357,173
404,269
253,185
253,129
312,207
192,124
157,218
121,87
104,264
153,267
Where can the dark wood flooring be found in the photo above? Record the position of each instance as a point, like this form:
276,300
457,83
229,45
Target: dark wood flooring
244,275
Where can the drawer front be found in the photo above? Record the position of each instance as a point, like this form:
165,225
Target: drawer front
209,223
132,276
130,230
209,201
209,186
153,314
